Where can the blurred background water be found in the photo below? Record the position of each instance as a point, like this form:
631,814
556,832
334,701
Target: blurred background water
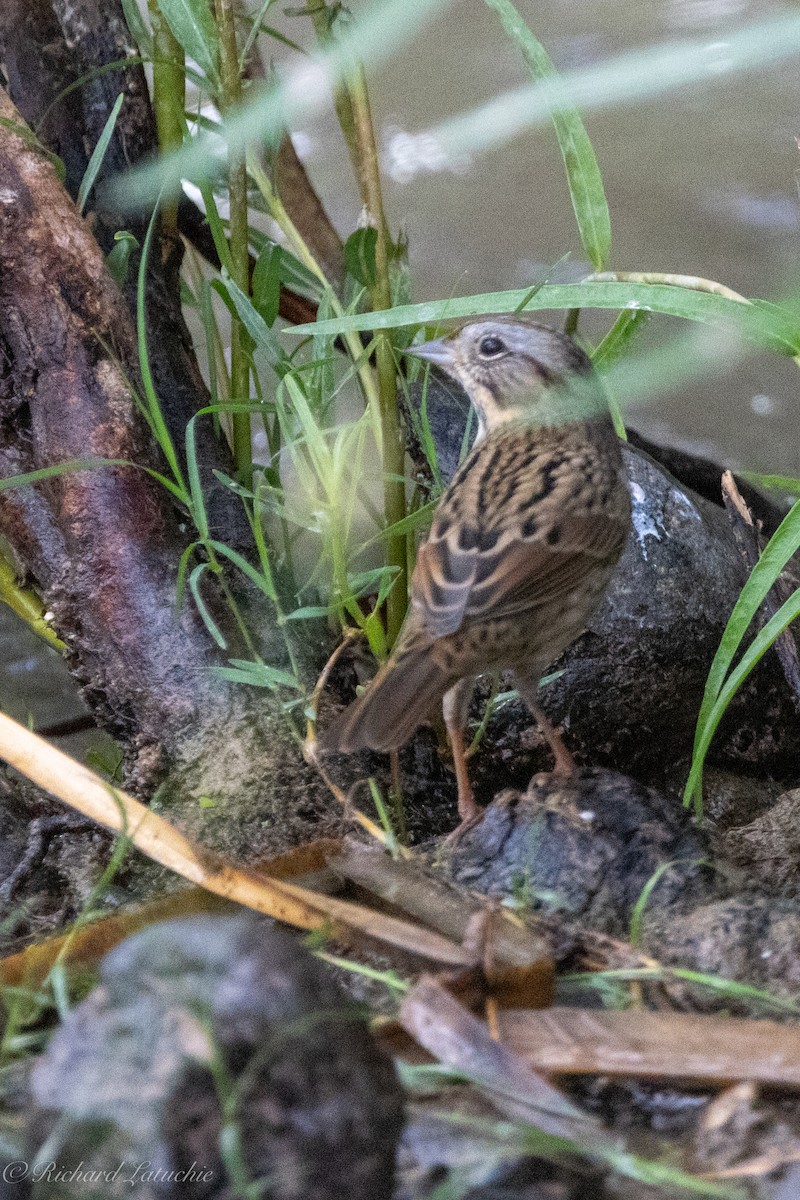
702,180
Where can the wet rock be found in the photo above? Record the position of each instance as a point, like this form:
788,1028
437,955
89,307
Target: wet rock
209,1011
749,938
731,799
768,848
587,847
632,685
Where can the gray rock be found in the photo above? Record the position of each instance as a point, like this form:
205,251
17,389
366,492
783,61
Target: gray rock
189,1015
586,847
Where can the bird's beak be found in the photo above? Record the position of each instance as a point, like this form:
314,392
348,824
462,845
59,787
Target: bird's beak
439,351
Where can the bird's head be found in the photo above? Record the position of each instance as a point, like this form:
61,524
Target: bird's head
512,368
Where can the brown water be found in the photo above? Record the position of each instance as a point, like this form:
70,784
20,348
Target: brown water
701,181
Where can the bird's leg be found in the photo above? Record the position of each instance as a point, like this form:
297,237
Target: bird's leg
455,707
565,765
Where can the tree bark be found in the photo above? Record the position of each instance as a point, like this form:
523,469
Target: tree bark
103,545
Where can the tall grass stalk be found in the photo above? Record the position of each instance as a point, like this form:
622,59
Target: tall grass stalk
169,95
230,99
394,484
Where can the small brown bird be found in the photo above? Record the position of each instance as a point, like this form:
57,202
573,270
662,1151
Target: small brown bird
523,542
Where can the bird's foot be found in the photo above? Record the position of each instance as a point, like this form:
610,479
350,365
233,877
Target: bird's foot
471,815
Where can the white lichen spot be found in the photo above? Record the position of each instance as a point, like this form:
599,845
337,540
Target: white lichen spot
682,501
586,815
8,196
642,519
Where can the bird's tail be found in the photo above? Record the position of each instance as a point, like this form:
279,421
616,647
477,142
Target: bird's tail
398,700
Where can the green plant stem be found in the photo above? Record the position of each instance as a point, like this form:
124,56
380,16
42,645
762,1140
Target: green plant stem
169,97
322,19
355,349
230,98
26,604
571,321
394,488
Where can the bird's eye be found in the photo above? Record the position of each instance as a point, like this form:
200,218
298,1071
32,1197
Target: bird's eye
491,346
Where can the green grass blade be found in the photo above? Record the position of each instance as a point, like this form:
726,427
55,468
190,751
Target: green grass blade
63,468
86,464
783,544
777,327
254,32
265,338
209,622
154,413
217,227
628,324
580,162
139,30
765,637
247,569
610,350
195,29
198,505
779,483
258,675
98,154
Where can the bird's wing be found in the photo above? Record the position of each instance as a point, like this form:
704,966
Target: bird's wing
487,560
528,573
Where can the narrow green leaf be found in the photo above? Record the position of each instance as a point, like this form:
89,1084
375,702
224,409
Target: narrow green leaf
119,256
139,30
63,468
359,255
639,908
583,173
309,612
778,483
258,675
777,327
255,29
202,607
198,505
628,324
217,227
247,569
719,690
267,283
98,154
183,567
194,27
153,406
610,350
264,337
